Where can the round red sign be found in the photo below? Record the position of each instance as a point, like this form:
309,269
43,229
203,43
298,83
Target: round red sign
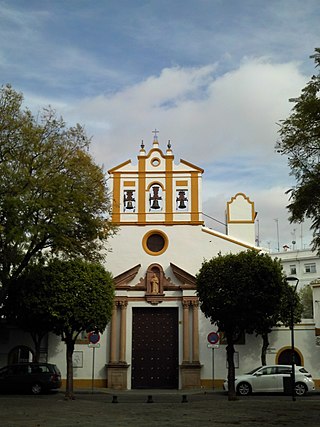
94,337
213,337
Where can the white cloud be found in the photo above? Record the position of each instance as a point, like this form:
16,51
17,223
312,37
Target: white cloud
220,115
226,124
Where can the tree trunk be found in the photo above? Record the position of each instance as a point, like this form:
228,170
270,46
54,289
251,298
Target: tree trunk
265,345
37,339
69,386
231,370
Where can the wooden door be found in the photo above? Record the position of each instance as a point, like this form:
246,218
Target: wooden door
155,348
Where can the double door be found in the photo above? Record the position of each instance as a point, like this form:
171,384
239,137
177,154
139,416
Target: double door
155,360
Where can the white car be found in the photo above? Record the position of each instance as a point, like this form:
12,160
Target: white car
270,378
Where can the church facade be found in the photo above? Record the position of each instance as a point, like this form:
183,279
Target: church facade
158,336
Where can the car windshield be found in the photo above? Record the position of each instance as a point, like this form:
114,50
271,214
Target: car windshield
253,371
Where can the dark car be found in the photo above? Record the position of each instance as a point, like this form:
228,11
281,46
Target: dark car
34,378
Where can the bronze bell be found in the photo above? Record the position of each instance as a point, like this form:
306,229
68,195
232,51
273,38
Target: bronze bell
155,204
129,205
182,205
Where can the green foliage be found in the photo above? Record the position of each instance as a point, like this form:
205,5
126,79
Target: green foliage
82,297
66,297
53,197
306,298
290,301
241,291
300,142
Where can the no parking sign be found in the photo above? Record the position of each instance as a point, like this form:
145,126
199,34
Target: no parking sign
94,337
213,339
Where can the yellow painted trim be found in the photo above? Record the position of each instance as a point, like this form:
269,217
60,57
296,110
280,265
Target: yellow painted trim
251,221
129,183
150,233
116,198
194,197
191,165
135,223
141,208
289,348
225,237
154,160
169,190
162,155
155,183
151,172
182,183
113,170
86,383
208,384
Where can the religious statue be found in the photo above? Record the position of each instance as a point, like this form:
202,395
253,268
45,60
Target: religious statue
154,284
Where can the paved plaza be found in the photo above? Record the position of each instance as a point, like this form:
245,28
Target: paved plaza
150,409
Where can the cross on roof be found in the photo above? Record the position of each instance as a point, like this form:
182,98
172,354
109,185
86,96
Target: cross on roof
155,137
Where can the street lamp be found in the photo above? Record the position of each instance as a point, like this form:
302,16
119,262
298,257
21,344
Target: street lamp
294,284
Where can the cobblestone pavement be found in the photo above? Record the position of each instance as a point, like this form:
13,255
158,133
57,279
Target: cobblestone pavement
150,409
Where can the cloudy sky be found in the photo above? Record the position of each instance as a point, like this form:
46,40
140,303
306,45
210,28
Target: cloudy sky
213,76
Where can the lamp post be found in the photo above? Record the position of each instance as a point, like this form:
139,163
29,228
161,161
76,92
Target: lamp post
294,284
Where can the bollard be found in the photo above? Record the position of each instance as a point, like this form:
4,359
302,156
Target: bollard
184,398
114,399
149,400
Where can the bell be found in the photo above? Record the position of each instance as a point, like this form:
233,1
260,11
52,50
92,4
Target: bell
181,199
182,205
155,204
129,205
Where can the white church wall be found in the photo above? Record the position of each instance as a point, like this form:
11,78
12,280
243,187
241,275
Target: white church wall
188,247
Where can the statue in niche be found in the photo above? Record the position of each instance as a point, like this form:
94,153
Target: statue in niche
154,284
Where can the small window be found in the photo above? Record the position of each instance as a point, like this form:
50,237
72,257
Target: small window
293,269
283,370
155,242
270,370
310,268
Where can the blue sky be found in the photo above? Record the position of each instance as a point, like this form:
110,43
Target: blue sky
214,76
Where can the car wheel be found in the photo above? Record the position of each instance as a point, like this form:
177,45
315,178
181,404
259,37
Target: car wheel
244,389
36,388
300,389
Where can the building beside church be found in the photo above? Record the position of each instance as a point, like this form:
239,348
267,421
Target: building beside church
158,337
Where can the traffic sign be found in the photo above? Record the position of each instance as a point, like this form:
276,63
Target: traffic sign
213,338
91,345
94,337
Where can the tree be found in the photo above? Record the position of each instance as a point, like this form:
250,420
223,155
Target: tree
26,305
66,297
306,298
300,142
289,300
53,197
239,292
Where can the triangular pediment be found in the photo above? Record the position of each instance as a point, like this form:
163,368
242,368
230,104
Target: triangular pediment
185,278
124,278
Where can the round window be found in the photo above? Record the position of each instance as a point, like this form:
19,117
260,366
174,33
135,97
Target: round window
155,162
155,242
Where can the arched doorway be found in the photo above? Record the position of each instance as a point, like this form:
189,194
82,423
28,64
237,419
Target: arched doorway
20,354
285,357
